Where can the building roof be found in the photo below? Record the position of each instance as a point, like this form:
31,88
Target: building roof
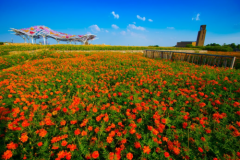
43,31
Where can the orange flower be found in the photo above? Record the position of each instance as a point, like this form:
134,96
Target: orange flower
124,141
202,104
146,149
165,139
64,143
96,129
95,110
176,150
73,121
109,139
24,137
95,155
63,122
155,132
112,134
7,155
61,154
42,132
12,145
84,133
72,147
130,156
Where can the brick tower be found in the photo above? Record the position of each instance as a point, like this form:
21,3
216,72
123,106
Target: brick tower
201,36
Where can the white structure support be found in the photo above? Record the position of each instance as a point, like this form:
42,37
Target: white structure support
44,40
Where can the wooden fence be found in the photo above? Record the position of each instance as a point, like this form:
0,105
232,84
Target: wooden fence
197,58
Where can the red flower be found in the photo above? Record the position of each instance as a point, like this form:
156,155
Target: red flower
203,139
164,120
95,155
130,156
77,132
137,145
238,154
208,131
166,154
184,125
200,149
64,110
40,144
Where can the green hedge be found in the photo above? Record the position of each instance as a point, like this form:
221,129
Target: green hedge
85,47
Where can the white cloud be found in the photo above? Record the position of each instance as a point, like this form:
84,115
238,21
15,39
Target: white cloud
132,26
115,26
170,28
94,28
150,20
115,15
141,18
123,32
106,31
197,17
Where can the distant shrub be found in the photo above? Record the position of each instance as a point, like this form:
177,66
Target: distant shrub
218,48
213,44
189,45
153,46
1,43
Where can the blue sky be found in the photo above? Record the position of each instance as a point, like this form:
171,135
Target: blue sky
126,22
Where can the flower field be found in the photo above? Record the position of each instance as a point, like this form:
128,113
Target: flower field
108,105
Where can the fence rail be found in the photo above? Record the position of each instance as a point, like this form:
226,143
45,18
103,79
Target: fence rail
197,58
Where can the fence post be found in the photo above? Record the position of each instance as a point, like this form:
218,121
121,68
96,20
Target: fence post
171,56
215,60
218,63
201,60
225,63
232,63
188,59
